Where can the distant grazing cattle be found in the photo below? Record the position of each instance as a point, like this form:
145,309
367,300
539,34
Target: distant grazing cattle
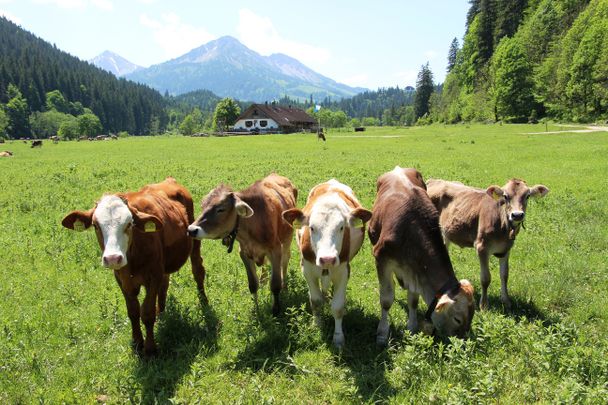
55,139
488,220
6,153
320,135
253,217
359,129
143,236
404,230
114,137
331,229
101,137
37,144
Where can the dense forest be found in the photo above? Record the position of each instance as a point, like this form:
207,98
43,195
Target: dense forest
524,59
30,68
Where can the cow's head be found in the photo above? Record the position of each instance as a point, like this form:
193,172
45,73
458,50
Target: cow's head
114,220
514,197
328,230
454,311
220,209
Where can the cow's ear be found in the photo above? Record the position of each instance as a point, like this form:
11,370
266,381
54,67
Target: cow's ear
78,220
444,303
359,216
539,191
145,222
243,209
467,289
495,192
295,217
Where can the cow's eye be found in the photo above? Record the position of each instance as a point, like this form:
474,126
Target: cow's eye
220,210
341,228
507,197
458,321
312,229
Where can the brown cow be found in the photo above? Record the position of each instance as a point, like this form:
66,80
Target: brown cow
253,217
143,238
488,220
404,230
37,144
331,231
6,153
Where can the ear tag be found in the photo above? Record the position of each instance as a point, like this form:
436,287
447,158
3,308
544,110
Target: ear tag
78,226
496,196
150,227
296,224
358,223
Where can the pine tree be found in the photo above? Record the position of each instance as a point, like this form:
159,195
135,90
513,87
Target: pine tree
452,54
424,89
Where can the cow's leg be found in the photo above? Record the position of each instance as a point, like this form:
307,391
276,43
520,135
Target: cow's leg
148,316
412,306
315,295
198,270
485,278
285,256
252,277
387,296
132,302
276,279
504,278
162,294
339,279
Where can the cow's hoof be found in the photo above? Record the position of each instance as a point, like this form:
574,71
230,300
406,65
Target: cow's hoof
506,303
150,351
339,341
483,304
381,340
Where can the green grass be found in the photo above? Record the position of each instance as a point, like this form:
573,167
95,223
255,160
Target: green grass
65,336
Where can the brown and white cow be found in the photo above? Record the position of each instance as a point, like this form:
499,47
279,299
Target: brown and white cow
143,237
488,220
331,229
253,217
404,230
6,153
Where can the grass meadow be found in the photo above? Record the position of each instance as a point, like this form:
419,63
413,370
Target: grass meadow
65,335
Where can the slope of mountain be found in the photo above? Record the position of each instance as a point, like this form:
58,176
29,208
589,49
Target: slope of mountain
114,63
229,68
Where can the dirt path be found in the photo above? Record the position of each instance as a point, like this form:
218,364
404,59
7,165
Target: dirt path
588,129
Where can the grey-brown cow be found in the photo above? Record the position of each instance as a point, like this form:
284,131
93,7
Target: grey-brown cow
253,217
488,220
404,230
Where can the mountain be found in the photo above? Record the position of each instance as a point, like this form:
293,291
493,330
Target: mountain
114,63
37,67
230,69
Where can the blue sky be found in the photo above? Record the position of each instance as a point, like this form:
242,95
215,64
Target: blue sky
361,43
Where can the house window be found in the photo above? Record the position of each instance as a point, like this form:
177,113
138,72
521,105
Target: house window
248,124
263,123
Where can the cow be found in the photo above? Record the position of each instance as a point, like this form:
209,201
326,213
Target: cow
37,144
143,238
488,220
404,231
54,138
321,135
253,217
331,229
6,153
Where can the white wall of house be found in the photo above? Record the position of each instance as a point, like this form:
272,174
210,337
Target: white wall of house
259,123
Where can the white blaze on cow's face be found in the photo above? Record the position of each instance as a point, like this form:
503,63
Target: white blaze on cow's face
327,223
113,223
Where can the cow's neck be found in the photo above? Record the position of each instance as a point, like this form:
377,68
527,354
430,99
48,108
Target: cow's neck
228,241
433,288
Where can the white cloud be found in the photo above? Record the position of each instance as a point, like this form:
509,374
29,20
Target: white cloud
63,3
174,36
106,5
258,33
10,16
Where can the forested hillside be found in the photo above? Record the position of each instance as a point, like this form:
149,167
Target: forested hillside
35,67
524,59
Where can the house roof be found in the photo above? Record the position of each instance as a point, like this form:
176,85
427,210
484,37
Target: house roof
284,116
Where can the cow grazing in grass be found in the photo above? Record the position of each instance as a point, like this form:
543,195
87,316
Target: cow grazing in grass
37,144
331,229
6,153
404,230
253,217
143,237
488,220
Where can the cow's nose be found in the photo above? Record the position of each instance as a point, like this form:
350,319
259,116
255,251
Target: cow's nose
327,260
517,215
192,230
112,260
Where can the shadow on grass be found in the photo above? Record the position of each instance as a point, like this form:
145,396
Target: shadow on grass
520,308
294,331
181,335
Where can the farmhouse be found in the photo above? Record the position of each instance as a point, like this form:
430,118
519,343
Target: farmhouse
274,118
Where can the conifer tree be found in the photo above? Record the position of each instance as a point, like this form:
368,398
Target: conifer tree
424,89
